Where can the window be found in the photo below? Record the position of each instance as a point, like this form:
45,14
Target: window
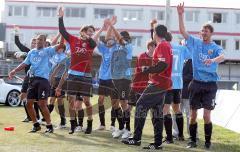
218,17
221,43
132,15
237,45
238,18
17,10
137,41
103,13
46,11
159,15
75,12
191,16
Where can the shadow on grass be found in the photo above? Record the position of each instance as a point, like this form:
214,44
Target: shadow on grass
80,138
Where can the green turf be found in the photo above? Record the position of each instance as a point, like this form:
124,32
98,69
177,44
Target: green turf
21,141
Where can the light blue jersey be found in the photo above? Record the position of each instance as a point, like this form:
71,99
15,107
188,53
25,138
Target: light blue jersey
57,58
121,62
105,69
39,61
200,52
180,53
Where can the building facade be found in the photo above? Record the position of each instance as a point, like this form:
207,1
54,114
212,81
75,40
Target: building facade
39,16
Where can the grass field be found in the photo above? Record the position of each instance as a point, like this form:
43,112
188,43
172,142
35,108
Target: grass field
99,141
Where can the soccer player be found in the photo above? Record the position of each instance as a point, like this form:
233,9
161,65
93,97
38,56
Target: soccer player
173,96
140,79
152,96
121,76
55,60
39,86
23,94
106,86
79,74
206,55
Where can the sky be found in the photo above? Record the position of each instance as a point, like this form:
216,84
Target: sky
199,3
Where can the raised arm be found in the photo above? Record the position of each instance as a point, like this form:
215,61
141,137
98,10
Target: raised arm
113,21
116,33
61,26
55,39
152,23
98,33
21,47
180,9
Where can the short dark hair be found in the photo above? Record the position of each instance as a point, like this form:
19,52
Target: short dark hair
91,26
126,36
161,30
151,43
168,37
209,26
44,36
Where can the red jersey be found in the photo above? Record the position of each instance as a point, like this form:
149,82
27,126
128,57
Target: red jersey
163,52
140,80
81,54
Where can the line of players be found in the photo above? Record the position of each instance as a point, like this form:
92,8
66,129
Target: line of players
156,84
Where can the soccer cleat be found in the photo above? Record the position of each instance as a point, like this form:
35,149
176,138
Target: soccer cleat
112,128
168,141
26,119
49,129
192,144
180,138
101,127
36,127
132,141
153,146
126,134
78,129
60,127
207,145
117,133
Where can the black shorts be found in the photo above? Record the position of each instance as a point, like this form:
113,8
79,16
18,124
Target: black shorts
173,96
133,97
80,85
122,89
53,88
202,94
25,84
106,87
38,89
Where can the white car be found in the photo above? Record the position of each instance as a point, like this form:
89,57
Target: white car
10,90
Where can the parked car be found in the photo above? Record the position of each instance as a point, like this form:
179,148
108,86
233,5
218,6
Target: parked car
10,90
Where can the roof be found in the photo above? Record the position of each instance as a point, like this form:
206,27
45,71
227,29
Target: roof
231,4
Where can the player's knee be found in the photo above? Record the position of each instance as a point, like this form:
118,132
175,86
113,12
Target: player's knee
166,109
206,118
176,108
87,103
